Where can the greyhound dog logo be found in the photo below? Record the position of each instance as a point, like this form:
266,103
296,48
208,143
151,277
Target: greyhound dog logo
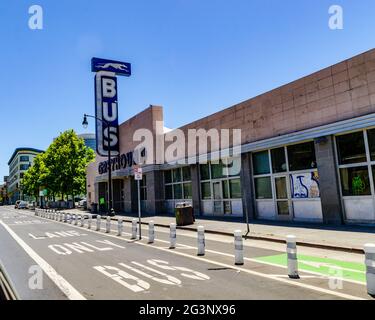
118,66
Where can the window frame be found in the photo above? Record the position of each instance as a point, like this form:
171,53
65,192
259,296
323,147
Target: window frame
173,183
369,164
288,173
212,180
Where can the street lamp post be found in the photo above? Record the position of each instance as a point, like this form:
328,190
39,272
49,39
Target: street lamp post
110,202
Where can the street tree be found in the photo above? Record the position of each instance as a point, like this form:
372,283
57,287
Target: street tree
35,177
67,159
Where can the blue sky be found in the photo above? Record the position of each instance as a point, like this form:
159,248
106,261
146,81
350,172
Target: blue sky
193,57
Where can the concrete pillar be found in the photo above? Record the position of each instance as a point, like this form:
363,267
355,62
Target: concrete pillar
328,180
195,186
128,195
248,197
155,192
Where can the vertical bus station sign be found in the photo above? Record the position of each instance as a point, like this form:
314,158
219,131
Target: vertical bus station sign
107,132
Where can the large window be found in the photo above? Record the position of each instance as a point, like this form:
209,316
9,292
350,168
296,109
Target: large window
356,159
177,184
292,167
351,148
24,158
301,156
24,166
263,188
225,175
355,181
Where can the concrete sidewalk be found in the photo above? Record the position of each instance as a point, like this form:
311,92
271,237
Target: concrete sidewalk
344,238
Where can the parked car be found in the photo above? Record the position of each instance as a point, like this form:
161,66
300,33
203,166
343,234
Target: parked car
82,203
20,204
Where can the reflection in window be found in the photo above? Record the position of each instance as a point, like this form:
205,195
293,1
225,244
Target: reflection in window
168,176
177,184
281,189
168,192
205,171
186,173
263,189
188,191
177,190
176,175
301,156
261,164
206,190
278,160
371,142
351,148
217,170
355,181
235,189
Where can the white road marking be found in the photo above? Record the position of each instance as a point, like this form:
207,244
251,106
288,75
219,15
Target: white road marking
255,273
60,282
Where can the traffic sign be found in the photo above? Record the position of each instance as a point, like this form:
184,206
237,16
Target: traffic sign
138,173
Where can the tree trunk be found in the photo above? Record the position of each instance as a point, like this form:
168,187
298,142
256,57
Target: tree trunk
74,204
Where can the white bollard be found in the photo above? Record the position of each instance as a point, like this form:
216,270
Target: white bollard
238,248
201,241
75,219
172,236
89,222
98,222
291,249
134,229
82,221
65,217
108,225
370,268
151,232
119,227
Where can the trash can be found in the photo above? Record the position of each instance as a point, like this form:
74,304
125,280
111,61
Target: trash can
94,208
184,214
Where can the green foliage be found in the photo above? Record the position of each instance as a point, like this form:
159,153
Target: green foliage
61,169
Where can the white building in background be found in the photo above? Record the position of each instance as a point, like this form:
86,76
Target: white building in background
20,161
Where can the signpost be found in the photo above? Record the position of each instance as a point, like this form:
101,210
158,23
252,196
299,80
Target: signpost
138,177
106,115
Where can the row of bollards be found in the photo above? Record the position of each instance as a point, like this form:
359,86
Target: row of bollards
291,242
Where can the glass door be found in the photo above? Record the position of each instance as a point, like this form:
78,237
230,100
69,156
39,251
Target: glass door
218,198
283,204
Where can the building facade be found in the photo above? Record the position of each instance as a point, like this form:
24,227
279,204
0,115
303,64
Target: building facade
90,140
307,154
19,162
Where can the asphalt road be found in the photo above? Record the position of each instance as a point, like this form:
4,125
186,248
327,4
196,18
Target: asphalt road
46,259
